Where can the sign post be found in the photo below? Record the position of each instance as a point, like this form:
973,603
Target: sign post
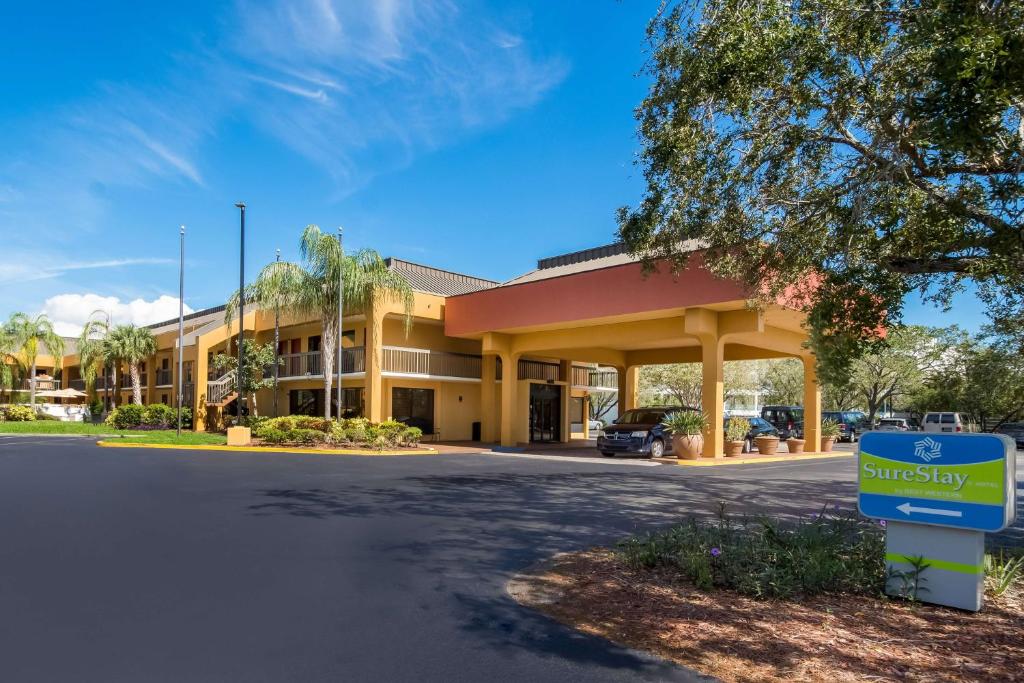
939,493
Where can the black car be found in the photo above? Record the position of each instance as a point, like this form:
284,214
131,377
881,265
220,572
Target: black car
789,420
758,427
638,431
852,423
1014,430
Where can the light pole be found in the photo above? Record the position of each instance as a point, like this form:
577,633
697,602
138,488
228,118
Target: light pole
181,319
341,297
277,338
241,308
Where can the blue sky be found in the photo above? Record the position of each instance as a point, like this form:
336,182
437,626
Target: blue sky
472,136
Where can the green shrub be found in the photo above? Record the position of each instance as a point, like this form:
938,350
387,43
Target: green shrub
272,435
159,415
186,418
19,414
306,437
411,436
737,429
833,552
830,429
95,407
126,416
685,422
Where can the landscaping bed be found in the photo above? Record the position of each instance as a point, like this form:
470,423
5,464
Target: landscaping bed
778,625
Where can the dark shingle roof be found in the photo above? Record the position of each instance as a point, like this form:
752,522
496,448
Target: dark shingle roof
437,281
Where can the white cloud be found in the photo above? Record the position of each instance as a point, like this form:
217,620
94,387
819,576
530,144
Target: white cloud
42,269
69,312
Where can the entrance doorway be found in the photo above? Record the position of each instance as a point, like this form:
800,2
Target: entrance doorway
545,413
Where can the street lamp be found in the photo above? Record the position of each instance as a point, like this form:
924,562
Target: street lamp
241,307
341,297
181,319
277,337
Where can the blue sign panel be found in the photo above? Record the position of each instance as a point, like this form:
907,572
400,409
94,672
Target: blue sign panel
965,481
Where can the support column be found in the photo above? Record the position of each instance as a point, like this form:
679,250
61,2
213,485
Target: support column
632,386
489,427
629,377
712,395
509,396
374,364
812,405
199,370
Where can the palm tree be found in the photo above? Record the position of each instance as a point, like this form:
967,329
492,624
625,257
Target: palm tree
312,289
29,334
93,351
8,360
132,345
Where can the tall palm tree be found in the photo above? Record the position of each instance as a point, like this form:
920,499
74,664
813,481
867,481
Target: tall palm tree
8,361
93,351
132,345
311,288
30,335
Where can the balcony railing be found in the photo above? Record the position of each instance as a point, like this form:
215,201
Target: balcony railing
164,378
310,363
591,378
433,363
42,384
125,380
80,384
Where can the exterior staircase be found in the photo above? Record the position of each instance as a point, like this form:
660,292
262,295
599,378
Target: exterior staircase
221,391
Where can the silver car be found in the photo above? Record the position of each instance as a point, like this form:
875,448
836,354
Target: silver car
893,424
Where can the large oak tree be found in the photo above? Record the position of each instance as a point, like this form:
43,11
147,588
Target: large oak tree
878,143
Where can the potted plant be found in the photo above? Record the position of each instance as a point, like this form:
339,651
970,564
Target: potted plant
767,445
736,430
829,433
687,430
795,444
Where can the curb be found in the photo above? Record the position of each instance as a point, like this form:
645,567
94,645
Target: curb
716,462
261,449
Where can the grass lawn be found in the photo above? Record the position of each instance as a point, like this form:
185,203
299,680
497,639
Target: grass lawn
137,436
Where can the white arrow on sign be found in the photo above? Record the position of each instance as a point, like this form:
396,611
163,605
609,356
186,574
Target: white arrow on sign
907,509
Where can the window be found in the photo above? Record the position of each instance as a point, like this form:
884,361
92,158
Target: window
353,401
414,407
932,418
306,402
948,418
314,343
163,398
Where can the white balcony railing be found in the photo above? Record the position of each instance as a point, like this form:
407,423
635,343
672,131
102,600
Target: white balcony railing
310,363
403,361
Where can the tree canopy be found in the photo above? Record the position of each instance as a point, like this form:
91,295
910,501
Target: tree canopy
878,144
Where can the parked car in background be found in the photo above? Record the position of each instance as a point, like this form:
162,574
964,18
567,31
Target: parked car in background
758,427
638,431
852,423
1014,430
893,424
947,422
789,420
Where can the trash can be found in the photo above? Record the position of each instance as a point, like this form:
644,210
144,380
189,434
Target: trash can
476,431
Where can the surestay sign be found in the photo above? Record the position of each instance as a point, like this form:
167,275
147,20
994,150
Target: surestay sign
965,481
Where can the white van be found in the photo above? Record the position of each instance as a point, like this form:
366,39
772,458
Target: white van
946,422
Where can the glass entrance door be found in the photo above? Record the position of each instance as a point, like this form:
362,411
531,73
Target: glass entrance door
545,412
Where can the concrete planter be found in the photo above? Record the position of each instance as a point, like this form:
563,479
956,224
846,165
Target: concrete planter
767,445
826,443
795,445
687,446
733,448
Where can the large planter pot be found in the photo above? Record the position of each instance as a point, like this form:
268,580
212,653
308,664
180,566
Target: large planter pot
826,443
733,448
795,445
687,446
767,445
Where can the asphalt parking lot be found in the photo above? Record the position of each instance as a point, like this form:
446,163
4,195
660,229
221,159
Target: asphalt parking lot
162,565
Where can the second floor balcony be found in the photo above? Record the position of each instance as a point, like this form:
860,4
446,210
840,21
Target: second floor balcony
164,377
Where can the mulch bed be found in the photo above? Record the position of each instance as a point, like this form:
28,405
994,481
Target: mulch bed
735,638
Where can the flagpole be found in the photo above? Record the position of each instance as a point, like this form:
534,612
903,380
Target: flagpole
181,320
